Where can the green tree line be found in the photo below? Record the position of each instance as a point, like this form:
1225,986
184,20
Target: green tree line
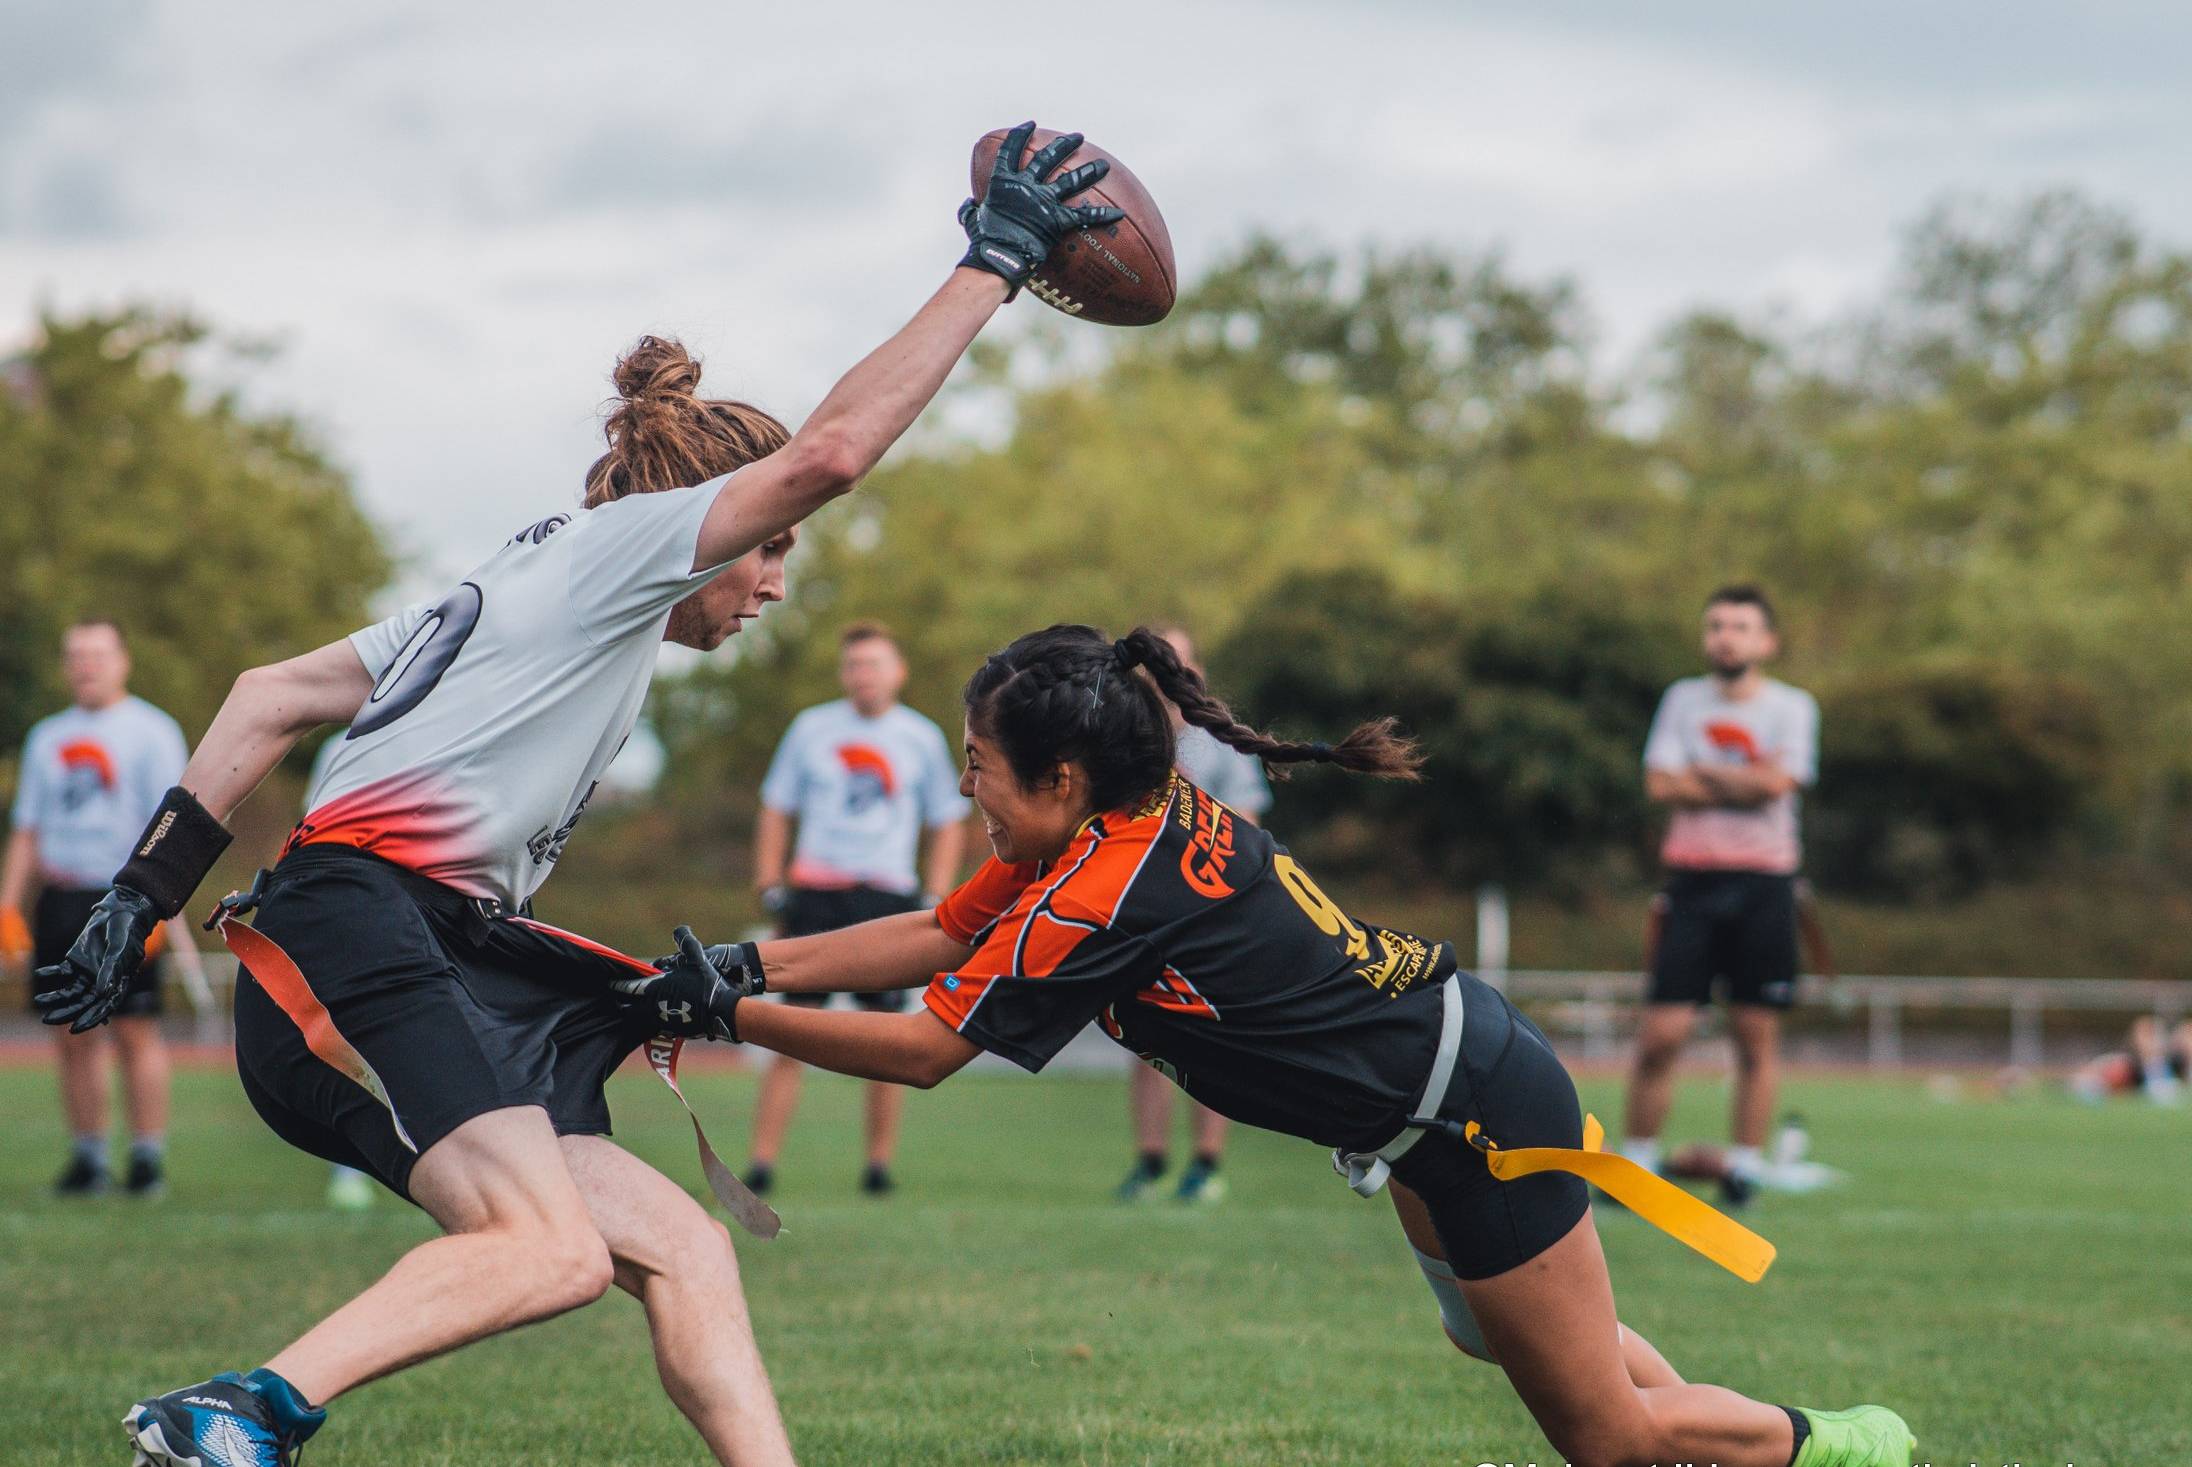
1397,481
215,537
1376,481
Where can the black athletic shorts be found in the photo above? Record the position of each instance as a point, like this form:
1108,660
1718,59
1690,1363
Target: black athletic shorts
1736,929
55,923
419,994
816,909
1512,1085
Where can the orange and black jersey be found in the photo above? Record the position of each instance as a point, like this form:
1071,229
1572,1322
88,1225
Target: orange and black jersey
1197,942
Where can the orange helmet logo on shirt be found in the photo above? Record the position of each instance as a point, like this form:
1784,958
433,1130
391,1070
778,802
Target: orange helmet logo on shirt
1733,738
863,759
85,755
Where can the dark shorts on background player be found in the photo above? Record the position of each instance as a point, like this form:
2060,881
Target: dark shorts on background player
453,1014
1511,1084
55,922
1736,929
817,909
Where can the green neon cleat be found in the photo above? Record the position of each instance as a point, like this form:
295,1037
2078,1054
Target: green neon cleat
1862,1436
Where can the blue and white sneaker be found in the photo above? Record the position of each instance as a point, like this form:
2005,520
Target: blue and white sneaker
228,1421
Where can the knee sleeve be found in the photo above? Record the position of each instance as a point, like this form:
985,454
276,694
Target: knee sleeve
1461,1325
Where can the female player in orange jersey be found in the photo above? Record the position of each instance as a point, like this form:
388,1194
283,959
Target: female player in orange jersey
1121,893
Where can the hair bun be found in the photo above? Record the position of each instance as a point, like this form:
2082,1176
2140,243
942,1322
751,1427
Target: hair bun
656,367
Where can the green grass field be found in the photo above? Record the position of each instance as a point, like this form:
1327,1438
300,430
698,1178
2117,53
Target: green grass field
2015,1276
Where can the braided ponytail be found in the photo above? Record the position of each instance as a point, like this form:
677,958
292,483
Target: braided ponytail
1066,694
1378,747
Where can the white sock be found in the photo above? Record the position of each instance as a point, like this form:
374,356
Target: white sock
1745,1162
1643,1150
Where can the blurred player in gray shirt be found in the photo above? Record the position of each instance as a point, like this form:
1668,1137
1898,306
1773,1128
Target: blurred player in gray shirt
1235,780
863,777
91,776
1727,753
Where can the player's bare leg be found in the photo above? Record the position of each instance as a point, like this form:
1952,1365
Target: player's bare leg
2154,1052
2146,1042
145,1075
1149,1111
678,1262
1210,1129
1646,1366
1660,1036
1200,1182
1757,1032
1550,1324
886,1106
84,1074
519,1247
774,1108
1149,1098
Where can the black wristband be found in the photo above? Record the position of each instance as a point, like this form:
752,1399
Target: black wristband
749,958
178,848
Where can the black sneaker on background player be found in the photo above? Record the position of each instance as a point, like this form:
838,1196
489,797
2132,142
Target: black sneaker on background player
1737,1190
82,1177
147,1176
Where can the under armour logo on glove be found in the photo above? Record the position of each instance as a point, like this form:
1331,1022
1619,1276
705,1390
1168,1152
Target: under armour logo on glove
691,995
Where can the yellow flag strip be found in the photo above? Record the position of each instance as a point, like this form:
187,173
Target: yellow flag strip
1651,1197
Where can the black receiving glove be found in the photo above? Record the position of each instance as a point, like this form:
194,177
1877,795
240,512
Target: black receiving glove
696,994
1020,220
82,989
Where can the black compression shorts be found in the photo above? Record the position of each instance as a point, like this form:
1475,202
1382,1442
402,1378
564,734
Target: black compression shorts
452,1015
1511,1084
816,909
55,922
1734,929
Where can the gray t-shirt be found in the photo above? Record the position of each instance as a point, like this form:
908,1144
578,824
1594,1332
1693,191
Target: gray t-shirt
90,780
1698,724
495,711
1222,771
862,789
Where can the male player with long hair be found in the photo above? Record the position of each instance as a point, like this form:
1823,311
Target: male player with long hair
399,1013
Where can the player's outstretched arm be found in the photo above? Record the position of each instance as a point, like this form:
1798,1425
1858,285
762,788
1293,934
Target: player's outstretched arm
1015,227
703,992
905,950
916,1048
864,414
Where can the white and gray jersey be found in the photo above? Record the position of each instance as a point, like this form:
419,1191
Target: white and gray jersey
863,789
1697,723
494,711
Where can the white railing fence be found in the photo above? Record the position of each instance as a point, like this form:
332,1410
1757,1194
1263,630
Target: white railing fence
1597,1008
1598,1005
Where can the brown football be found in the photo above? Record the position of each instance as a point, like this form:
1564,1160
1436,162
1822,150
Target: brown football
1119,274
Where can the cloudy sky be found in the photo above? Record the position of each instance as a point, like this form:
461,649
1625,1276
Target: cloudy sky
452,216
